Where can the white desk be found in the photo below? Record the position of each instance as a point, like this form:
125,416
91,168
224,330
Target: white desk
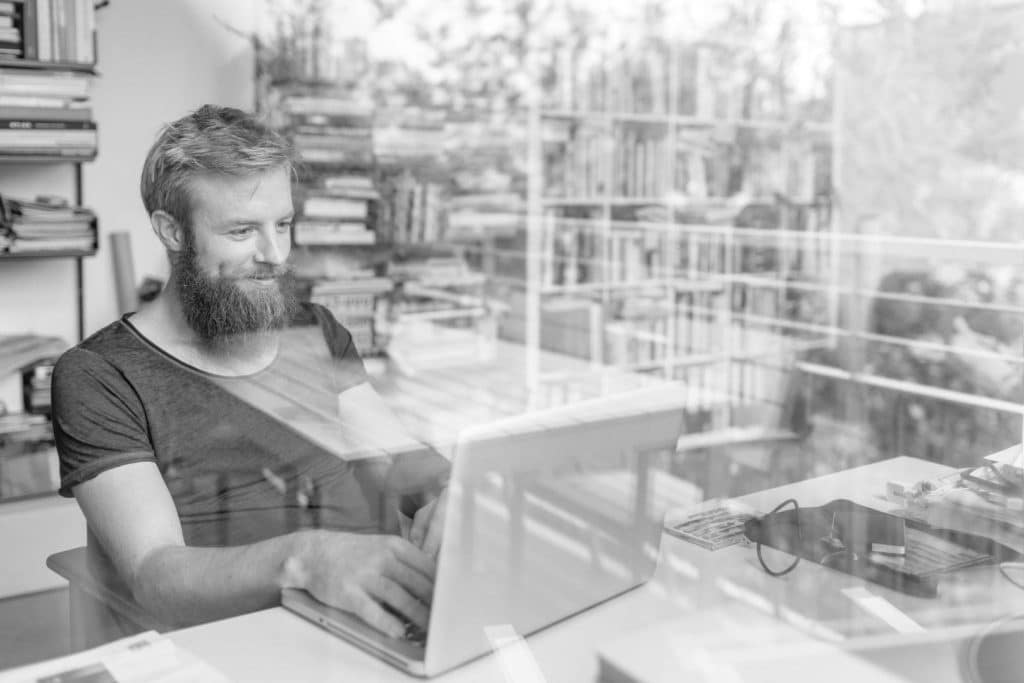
694,593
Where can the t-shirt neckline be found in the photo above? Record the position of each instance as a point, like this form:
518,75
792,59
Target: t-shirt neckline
188,366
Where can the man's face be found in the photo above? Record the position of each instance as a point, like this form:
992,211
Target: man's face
230,273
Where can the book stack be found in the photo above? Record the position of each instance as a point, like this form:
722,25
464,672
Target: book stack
46,113
474,215
353,301
331,220
330,129
485,198
59,31
46,226
410,135
333,134
435,271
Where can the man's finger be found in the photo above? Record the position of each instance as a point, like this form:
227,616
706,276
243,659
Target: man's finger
412,580
412,556
421,522
376,616
432,543
387,591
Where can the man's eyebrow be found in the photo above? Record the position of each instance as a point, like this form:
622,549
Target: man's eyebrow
245,221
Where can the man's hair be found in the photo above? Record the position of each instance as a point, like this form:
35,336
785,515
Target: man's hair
212,139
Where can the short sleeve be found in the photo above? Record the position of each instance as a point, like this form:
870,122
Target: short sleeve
348,367
98,419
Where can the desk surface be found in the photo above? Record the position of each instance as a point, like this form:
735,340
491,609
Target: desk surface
695,595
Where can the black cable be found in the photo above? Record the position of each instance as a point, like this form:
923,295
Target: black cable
1019,566
764,522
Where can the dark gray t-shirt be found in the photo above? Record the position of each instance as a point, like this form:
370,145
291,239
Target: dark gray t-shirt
235,453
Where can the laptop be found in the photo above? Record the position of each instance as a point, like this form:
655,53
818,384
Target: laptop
549,514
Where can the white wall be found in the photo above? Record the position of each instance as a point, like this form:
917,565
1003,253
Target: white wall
158,60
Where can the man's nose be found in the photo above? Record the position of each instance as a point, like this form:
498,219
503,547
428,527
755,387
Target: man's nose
270,250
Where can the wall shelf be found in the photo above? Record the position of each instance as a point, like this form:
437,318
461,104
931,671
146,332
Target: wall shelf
34,255
47,66
44,159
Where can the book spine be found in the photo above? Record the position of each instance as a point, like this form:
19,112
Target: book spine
43,28
367,237
19,113
29,30
60,22
70,30
71,10
56,21
81,29
90,31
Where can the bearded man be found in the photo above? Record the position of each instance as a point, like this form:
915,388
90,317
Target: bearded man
203,503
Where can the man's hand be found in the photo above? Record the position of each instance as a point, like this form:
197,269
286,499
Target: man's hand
428,526
361,573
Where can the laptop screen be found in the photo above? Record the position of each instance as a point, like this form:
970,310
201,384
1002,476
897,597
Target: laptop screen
548,514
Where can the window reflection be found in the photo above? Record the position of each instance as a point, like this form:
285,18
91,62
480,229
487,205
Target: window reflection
802,222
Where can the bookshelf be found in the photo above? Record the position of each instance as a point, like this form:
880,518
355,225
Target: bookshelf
387,270
88,248
369,199
657,184
336,247
47,61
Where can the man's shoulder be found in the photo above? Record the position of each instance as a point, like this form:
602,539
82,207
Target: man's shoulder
309,314
110,346
318,317
103,340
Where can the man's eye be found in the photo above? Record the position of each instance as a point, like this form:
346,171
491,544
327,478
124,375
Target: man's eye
284,227
241,232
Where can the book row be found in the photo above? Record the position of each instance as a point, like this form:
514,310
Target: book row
589,160
59,31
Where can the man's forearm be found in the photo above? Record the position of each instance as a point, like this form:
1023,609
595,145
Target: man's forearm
182,585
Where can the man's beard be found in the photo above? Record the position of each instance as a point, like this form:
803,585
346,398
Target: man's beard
221,312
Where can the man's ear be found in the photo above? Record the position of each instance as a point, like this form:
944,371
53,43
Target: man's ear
170,232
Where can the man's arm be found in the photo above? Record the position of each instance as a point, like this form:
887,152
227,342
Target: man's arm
420,471
132,514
